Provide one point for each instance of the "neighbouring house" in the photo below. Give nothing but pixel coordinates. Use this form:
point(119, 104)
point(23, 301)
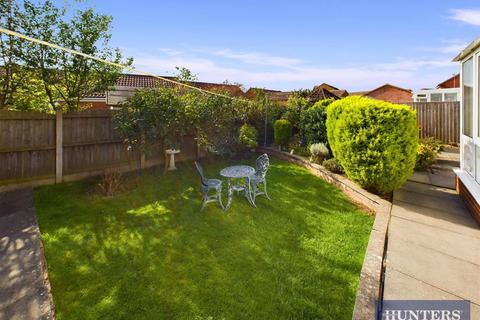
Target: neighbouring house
point(128, 83)
point(281, 97)
point(448, 90)
point(325, 91)
point(320, 92)
point(468, 175)
point(387, 92)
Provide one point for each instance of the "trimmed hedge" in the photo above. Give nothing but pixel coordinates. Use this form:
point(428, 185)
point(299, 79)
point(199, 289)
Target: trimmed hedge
point(282, 131)
point(374, 141)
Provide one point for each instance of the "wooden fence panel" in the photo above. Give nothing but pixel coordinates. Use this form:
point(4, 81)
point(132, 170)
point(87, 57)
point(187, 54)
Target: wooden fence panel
point(90, 144)
point(439, 120)
point(27, 145)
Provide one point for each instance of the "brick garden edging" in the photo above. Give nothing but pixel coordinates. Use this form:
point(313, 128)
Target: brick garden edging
point(371, 277)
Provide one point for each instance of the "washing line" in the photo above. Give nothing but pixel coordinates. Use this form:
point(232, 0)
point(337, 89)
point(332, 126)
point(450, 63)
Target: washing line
point(119, 65)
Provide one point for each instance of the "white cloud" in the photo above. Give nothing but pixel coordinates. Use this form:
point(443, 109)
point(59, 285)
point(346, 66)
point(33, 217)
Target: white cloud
point(451, 47)
point(408, 73)
point(257, 58)
point(170, 52)
point(470, 16)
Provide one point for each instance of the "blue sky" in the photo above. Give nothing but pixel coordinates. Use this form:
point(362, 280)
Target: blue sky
point(285, 45)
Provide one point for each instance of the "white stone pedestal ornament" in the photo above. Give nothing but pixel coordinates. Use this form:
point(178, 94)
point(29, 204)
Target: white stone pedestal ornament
point(171, 159)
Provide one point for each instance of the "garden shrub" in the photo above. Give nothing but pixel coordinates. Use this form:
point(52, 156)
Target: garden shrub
point(313, 122)
point(436, 144)
point(332, 165)
point(427, 152)
point(318, 152)
point(296, 104)
point(248, 136)
point(282, 131)
point(295, 146)
point(156, 114)
point(217, 120)
point(374, 141)
point(110, 182)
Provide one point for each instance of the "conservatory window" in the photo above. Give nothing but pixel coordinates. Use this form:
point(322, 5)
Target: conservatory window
point(436, 97)
point(451, 96)
point(467, 78)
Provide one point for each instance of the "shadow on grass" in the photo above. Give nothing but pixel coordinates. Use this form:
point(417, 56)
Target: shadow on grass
point(150, 254)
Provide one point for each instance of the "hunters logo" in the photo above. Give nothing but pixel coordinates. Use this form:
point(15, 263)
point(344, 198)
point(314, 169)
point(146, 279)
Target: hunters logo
point(424, 310)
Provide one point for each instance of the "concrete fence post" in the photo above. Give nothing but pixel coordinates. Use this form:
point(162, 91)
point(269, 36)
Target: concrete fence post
point(58, 146)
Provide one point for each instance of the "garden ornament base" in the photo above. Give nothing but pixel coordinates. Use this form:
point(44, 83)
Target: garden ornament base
point(170, 158)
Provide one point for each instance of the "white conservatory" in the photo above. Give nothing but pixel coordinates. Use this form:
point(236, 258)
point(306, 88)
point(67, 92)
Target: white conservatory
point(468, 175)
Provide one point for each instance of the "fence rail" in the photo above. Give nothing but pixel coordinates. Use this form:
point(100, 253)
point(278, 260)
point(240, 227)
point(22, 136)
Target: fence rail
point(439, 119)
point(37, 148)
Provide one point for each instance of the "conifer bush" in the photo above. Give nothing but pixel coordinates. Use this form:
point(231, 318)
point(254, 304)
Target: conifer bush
point(282, 131)
point(374, 141)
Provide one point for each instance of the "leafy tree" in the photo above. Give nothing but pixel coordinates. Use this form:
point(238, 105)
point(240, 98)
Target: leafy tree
point(248, 136)
point(65, 76)
point(296, 104)
point(151, 115)
point(29, 94)
point(313, 122)
point(238, 84)
point(185, 75)
point(10, 74)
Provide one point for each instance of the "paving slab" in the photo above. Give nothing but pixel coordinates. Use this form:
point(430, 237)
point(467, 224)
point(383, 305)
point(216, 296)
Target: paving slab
point(442, 240)
point(440, 270)
point(400, 288)
point(421, 177)
point(445, 220)
point(430, 190)
point(456, 206)
point(433, 248)
point(443, 177)
point(24, 286)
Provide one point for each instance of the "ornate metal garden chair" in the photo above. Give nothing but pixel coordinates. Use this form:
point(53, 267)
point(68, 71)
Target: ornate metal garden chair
point(261, 167)
point(207, 185)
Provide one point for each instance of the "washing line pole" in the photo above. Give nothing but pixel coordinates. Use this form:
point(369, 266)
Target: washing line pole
point(266, 121)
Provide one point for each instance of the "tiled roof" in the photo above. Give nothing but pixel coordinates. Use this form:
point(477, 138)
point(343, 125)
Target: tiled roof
point(325, 86)
point(388, 85)
point(279, 96)
point(141, 81)
point(273, 95)
point(452, 82)
point(340, 93)
point(320, 93)
point(232, 89)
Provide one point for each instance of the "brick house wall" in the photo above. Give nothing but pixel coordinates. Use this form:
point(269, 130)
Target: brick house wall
point(453, 82)
point(391, 94)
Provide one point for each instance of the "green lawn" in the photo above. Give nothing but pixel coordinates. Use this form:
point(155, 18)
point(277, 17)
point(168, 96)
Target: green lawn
point(149, 253)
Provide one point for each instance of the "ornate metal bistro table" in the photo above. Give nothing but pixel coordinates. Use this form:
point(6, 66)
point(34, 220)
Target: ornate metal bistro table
point(237, 172)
